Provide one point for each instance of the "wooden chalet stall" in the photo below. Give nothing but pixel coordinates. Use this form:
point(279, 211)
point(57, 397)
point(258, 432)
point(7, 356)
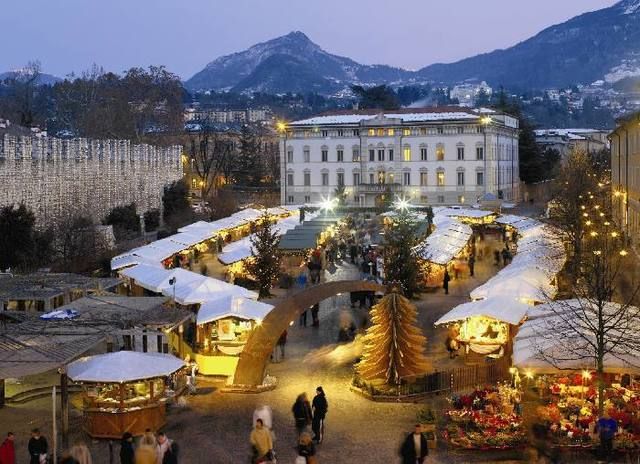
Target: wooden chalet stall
point(124, 391)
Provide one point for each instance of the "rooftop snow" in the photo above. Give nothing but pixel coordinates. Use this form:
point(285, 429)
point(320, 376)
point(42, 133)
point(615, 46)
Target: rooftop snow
point(405, 117)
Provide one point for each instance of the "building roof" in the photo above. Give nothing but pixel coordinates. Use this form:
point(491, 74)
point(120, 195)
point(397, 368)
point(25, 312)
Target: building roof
point(405, 114)
point(42, 285)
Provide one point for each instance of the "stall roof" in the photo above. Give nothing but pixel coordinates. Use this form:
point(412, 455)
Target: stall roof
point(232, 306)
point(188, 239)
point(206, 289)
point(156, 279)
point(539, 342)
point(130, 259)
point(504, 309)
point(446, 242)
point(123, 366)
point(465, 213)
point(44, 285)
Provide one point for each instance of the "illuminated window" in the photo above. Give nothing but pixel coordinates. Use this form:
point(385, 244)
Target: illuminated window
point(440, 153)
point(391, 132)
point(406, 153)
point(380, 132)
point(440, 179)
point(372, 132)
point(194, 183)
point(406, 131)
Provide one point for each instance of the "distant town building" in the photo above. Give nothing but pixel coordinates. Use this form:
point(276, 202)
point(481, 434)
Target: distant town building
point(468, 93)
point(625, 175)
point(54, 177)
point(566, 140)
point(251, 115)
point(430, 156)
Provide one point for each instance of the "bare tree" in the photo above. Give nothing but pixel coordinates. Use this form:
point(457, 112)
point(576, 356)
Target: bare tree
point(599, 326)
point(571, 192)
point(212, 160)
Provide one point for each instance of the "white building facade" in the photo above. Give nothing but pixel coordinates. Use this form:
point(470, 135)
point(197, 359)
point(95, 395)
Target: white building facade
point(437, 156)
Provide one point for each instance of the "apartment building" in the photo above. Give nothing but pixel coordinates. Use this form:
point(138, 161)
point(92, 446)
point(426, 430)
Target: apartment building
point(430, 156)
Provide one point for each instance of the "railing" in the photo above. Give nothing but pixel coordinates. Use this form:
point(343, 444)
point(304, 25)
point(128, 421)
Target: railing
point(379, 188)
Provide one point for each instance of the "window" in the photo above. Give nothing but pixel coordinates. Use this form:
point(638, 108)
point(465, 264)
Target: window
point(381, 155)
point(460, 153)
point(340, 133)
point(341, 178)
point(307, 198)
point(325, 133)
point(307, 155)
point(424, 199)
point(406, 178)
point(406, 131)
point(390, 154)
point(423, 131)
point(340, 156)
point(424, 179)
point(460, 130)
point(440, 153)
point(381, 177)
point(290, 199)
point(380, 132)
point(372, 132)
point(406, 153)
point(440, 198)
point(290, 179)
point(325, 156)
point(440, 179)
point(356, 155)
point(372, 155)
point(371, 178)
point(479, 153)
point(356, 178)
point(356, 132)
point(307, 179)
point(479, 178)
point(460, 199)
point(460, 177)
point(391, 132)
point(290, 156)
point(440, 130)
point(325, 178)
point(194, 183)
point(423, 154)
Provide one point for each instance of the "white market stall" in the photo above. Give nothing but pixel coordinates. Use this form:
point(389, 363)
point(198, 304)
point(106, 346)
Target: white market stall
point(123, 391)
point(204, 289)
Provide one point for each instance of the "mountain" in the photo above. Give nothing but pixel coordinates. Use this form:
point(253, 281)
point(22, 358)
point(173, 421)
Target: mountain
point(269, 65)
point(43, 79)
point(597, 45)
point(600, 45)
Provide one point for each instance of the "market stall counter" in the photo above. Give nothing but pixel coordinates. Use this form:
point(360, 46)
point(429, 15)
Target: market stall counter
point(125, 391)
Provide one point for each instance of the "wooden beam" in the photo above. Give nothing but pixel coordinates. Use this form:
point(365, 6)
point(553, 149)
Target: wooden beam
point(64, 408)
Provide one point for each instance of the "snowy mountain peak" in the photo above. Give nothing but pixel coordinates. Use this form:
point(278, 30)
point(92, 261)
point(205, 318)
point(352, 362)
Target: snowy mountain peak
point(629, 6)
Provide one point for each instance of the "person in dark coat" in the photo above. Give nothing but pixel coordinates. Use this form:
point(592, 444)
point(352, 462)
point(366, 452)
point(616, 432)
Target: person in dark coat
point(472, 263)
point(37, 446)
point(315, 309)
point(302, 413)
point(414, 449)
point(126, 449)
point(445, 282)
point(320, 407)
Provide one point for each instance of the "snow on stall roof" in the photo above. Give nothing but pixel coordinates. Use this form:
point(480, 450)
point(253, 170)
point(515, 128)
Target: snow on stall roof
point(504, 309)
point(123, 366)
point(156, 279)
point(232, 306)
point(206, 289)
point(447, 240)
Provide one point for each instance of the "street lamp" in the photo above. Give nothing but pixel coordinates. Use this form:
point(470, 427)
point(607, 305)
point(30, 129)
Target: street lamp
point(281, 128)
point(172, 282)
point(485, 121)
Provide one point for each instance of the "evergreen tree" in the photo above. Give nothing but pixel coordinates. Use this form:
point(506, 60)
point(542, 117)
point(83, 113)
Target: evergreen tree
point(340, 195)
point(249, 169)
point(378, 97)
point(393, 345)
point(531, 159)
point(17, 236)
point(400, 262)
point(266, 257)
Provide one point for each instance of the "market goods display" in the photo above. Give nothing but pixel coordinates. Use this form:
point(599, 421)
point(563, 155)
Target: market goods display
point(485, 419)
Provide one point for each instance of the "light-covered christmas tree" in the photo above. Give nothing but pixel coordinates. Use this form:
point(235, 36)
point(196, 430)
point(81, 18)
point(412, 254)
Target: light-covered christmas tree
point(393, 345)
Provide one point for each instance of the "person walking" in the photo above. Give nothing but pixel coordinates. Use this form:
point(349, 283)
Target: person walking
point(38, 448)
point(127, 453)
point(303, 318)
point(147, 449)
point(306, 449)
point(320, 406)
point(472, 263)
point(166, 451)
point(8, 450)
point(505, 256)
point(282, 341)
point(80, 453)
point(606, 428)
point(315, 309)
point(302, 413)
point(445, 282)
point(262, 442)
point(414, 449)
point(496, 257)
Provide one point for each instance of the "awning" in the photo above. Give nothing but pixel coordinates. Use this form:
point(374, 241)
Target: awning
point(130, 259)
point(205, 290)
point(156, 279)
point(503, 309)
point(232, 306)
point(191, 238)
point(123, 366)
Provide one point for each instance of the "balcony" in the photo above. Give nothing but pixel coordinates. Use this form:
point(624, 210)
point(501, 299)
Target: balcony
point(379, 188)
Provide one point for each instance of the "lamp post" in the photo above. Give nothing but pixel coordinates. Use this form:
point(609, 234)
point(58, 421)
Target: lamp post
point(172, 282)
point(485, 121)
point(281, 127)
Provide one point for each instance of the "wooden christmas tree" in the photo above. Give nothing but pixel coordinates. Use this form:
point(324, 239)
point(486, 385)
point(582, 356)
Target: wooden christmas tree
point(394, 345)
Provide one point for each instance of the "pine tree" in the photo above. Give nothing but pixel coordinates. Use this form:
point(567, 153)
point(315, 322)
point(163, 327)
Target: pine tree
point(249, 169)
point(400, 262)
point(266, 257)
point(394, 345)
